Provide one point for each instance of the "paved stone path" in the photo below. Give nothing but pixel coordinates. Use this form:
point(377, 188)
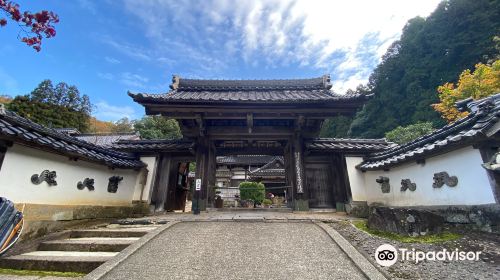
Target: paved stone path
point(238, 250)
point(243, 216)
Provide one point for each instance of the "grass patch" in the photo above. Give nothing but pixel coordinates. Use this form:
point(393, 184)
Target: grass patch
point(430, 238)
point(40, 273)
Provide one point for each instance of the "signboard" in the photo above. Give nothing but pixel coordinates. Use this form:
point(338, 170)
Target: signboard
point(198, 185)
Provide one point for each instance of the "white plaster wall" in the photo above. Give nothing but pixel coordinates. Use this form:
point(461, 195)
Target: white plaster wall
point(238, 174)
point(473, 186)
point(356, 178)
point(144, 184)
point(21, 162)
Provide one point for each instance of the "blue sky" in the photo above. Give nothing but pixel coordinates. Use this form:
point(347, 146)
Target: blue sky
point(107, 47)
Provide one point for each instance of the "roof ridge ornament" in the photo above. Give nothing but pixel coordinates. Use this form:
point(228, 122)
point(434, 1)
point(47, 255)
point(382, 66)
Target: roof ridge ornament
point(175, 82)
point(327, 81)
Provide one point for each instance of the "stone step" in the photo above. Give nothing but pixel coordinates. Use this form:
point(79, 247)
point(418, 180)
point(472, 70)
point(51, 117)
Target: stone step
point(112, 232)
point(88, 244)
point(64, 261)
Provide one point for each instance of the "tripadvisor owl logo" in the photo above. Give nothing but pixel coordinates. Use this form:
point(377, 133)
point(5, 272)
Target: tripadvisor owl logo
point(387, 255)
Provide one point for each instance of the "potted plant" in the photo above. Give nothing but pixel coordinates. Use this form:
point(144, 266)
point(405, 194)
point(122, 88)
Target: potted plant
point(219, 202)
point(246, 203)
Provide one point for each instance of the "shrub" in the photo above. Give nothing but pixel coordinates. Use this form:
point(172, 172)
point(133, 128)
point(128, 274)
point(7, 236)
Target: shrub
point(252, 191)
point(267, 202)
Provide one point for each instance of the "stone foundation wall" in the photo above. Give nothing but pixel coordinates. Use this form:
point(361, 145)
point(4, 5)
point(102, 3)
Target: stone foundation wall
point(40, 219)
point(424, 220)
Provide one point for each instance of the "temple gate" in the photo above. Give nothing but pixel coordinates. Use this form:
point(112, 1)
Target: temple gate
point(263, 117)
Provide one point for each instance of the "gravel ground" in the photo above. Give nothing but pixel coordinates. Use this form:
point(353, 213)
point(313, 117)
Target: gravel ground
point(238, 250)
point(486, 268)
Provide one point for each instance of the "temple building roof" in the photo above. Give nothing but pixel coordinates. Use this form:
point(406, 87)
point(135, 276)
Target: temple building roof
point(161, 145)
point(105, 139)
point(482, 123)
point(274, 168)
point(248, 91)
point(25, 132)
point(246, 160)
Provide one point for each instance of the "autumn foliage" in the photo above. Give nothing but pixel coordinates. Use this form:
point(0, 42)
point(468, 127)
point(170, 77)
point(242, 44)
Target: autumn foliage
point(34, 26)
point(483, 82)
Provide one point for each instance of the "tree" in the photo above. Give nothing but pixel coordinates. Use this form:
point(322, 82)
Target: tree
point(59, 106)
point(34, 26)
point(5, 99)
point(431, 51)
point(483, 82)
point(252, 191)
point(337, 127)
point(157, 127)
point(123, 125)
point(402, 135)
point(98, 126)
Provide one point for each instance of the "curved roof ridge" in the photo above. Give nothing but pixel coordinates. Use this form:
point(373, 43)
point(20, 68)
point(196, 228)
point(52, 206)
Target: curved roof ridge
point(186, 84)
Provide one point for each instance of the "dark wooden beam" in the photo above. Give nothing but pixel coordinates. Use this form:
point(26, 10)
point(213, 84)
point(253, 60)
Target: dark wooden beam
point(201, 124)
point(250, 122)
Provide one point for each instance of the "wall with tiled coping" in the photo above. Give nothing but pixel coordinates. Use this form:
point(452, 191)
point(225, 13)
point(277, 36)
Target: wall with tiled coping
point(473, 186)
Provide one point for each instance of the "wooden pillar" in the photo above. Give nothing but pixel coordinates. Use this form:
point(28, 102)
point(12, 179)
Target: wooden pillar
point(163, 178)
point(211, 169)
point(289, 172)
point(202, 162)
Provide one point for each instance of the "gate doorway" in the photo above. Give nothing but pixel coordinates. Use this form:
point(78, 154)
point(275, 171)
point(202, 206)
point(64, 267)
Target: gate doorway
point(319, 184)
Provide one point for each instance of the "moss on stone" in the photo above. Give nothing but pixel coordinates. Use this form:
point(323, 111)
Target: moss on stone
point(430, 238)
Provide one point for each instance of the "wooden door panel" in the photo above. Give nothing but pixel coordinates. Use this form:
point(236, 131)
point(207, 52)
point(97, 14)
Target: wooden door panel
point(320, 186)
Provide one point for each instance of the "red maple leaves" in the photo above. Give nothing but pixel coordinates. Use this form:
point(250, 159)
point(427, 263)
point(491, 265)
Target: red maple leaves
point(35, 26)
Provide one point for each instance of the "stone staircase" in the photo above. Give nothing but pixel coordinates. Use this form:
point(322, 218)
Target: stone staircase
point(78, 250)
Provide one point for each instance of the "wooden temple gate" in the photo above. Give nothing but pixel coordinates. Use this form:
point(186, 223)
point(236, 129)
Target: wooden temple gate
point(261, 117)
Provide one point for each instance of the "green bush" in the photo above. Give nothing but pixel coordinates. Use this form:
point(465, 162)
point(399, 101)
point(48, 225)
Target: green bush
point(267, 202)
point(252, 191)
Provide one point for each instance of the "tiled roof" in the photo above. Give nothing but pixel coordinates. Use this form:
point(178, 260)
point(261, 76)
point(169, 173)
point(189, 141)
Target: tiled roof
point(313, 90)
point(273, 168)
point(153, 145)
point(481, 123)
point(68, 130)
point(19, 129)
point(244, 160)
point(105, 139)
point(348, 145)
point(182, 84)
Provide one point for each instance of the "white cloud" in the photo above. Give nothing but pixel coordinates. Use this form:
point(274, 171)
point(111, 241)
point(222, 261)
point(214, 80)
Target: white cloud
point(213, 34)
point(107, 112)
point(133, 80)
point(126, 48)
point(112, 60)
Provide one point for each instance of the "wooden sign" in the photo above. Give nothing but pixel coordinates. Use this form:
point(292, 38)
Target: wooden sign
point(198, 185)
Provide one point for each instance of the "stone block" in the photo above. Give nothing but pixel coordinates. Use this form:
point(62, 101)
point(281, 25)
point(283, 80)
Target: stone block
point(411, 222)
point(357, 209)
